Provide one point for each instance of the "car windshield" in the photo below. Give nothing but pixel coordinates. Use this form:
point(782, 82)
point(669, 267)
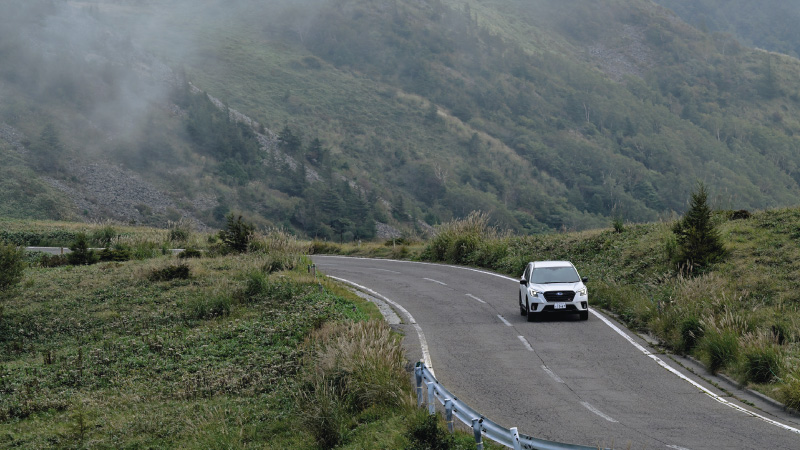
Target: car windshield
point(545, 275)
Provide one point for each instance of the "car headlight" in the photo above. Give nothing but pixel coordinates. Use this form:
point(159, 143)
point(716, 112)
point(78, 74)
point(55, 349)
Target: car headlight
point(582, 292)
point(533, 292)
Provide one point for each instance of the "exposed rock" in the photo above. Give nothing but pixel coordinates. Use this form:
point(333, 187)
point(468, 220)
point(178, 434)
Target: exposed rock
point(629, 55)
point(12, 136)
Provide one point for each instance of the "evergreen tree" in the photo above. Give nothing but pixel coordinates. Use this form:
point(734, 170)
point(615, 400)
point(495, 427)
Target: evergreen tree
point(699, 241)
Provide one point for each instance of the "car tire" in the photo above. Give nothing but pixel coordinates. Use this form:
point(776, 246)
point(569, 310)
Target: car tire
point(531, 316)
point(584, 315)
point(522, 310)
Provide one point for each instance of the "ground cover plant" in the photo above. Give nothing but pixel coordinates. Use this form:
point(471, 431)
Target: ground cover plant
point(236, 350)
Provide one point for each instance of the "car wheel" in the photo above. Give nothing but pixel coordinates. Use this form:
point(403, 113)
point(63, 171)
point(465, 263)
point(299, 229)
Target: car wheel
point(522, 310)
point(584, 315)
point(531, 315)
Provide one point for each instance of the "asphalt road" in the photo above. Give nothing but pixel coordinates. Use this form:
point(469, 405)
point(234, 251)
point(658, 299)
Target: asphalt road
point(561, 379)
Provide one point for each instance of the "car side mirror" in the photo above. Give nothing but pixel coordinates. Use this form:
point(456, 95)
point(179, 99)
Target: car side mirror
point(585, 279)
point(523, 282)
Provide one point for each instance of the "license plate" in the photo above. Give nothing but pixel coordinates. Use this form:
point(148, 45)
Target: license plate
point(560, 306)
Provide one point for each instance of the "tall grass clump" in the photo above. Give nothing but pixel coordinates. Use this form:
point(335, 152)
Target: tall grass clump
point(789, 392)
point(349, 369)
point(719, 349)
point(458, 241)
point(282, 250)
point(762, 358)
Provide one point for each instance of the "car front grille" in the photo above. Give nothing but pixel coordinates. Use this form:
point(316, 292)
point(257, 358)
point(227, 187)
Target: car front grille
point(559, 296)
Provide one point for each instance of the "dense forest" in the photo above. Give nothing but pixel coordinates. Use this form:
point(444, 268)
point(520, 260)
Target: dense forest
point(545, 115)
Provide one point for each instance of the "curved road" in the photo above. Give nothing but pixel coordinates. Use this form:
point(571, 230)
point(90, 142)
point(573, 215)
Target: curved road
point(560, 379)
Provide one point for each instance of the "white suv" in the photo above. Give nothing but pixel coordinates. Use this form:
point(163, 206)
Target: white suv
point(552, 286)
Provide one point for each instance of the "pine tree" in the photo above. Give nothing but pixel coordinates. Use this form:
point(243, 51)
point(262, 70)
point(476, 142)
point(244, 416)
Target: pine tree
point(698, 239)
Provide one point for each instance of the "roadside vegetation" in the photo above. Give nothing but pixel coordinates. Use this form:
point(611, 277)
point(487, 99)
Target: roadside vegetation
point(733, 305)
point(238, 346)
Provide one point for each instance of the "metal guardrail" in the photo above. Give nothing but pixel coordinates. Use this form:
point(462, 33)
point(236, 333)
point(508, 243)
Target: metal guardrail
point(481, 426)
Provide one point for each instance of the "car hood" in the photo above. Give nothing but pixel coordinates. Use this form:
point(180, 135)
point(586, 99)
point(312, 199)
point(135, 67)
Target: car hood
point(557, 286)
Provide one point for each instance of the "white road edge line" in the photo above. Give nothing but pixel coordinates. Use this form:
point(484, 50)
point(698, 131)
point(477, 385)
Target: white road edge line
point(423, 343)
point(706, 391)
point(629, 339)
point(503, 319)
point(436, 281)
point(476, 298)
point(552, 374)
point(525, 343)
point(598, 412)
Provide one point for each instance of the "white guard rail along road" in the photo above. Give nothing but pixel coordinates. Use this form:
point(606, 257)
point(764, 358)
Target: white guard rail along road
point(481, 426)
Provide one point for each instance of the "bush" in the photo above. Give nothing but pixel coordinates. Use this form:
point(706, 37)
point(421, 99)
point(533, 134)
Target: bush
point(170, 272)
point(237, 235)
point(118, 252)
point(12, 265)
point(53, 260)
point(81, 254)
point(190, 252)
point(427, 433)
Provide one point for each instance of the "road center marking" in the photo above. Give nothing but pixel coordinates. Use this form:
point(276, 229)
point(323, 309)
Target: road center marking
point(552, 374)
point(476, 298)
point(597, 411)
point(387, 270)
point(436, 281)
point(525, 343)
point(503, 319)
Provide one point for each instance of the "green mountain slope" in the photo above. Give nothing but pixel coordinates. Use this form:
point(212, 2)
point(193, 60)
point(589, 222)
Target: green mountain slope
point(546, 115)
point(769, 24)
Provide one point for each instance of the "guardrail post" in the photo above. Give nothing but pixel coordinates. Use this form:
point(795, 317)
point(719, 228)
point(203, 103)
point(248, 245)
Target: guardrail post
point(418, 376)
point(448, 414)
point(314, 270)
point(476, 429)
point(431, 399)
point(515, 433)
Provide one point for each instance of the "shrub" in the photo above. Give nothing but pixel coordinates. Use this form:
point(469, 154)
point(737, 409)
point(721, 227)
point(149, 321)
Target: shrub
point(80, 253)
point(237, 234)
point(170, 272)
point(190, 252)
point(53, 260)
point(12, 265)
point(427, 433)
point(119, 252)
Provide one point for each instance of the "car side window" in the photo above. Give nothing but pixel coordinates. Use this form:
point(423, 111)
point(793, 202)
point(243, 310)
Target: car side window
point(527, 274)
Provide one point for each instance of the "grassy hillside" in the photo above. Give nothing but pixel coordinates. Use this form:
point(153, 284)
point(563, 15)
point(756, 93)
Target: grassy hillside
point(219, 351)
